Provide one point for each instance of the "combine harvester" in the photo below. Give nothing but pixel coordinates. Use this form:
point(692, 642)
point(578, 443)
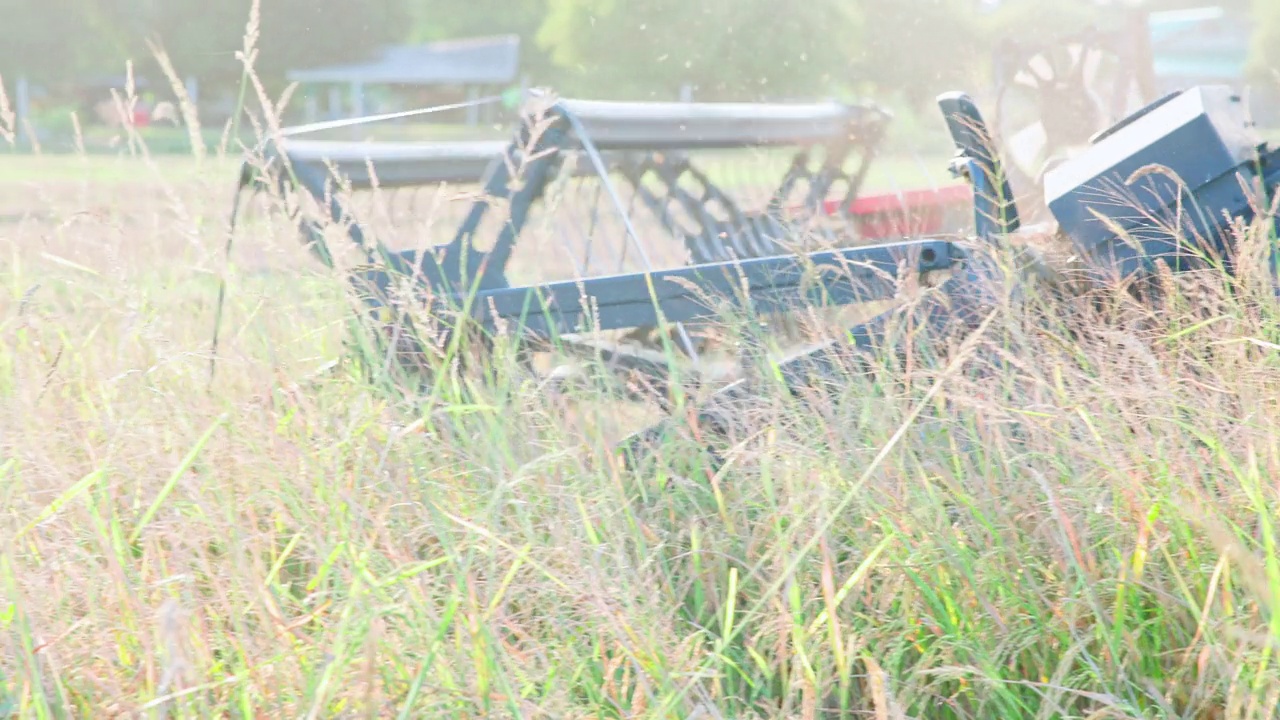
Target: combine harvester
point(1120, 220)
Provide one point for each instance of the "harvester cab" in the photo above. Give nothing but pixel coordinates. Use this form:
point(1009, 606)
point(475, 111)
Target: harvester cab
point(1164, 183)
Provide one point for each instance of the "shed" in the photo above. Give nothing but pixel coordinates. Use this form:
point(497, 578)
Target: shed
point(1204, 45)
point(473, 64)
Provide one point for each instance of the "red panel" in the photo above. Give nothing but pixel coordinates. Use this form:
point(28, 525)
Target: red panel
point(906, 214)
point(913, 212)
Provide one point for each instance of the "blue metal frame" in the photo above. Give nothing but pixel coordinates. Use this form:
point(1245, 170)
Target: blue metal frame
point(457, 276)
point(761, 285)
point(457, 267)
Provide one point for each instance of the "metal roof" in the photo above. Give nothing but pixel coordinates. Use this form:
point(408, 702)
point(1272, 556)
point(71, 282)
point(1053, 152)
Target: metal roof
point(1204, 42)
point(488, 60)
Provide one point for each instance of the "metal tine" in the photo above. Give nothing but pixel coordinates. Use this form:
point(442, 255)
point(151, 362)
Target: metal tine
point(567, 223)
point(798, 189)
point(618, 255)
point(622, 359)
point(597, 219)
point(560, 211)
point(603, 173)
point(844, 208)
point(712, 229)
point(798, 169)
point(738, 228)
point(741, 219)
point(746, 174)
point(833, 235)
point(865, 155)
point(820, 181)
point(698, 244)
point(665, 207)
point(742, 229)
point(734, 227)
point(752, 225)
point(660, 207)
point(741, 242)
point(631, 208)
point(603, 176)
point(794, 201)
point(593, 222)
point(741, 178)
point(777, 198)
point(707, 250)
point(742, 222)
point(600, 221)
point(696, 207)
point(768, 227)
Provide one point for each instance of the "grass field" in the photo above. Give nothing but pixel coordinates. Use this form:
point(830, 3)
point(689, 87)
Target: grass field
point(1088, 532)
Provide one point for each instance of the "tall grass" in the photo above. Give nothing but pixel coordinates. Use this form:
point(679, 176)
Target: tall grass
point(1085, 529)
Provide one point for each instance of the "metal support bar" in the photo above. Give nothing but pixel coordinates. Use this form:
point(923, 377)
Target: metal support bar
point(766, 285)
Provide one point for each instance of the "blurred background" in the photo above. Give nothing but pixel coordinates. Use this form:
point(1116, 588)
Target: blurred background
point(61, 60)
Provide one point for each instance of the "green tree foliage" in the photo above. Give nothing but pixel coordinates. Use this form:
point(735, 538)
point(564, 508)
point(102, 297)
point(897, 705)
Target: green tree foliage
point(301, 33)
point(1264, 59)
point(725, 49)
point(292, 34)
point(63, 39)
point(918, 48)
point(444, 19)
point(430, 20)
point(52, 40)
point(737, 49)
point(206, 49)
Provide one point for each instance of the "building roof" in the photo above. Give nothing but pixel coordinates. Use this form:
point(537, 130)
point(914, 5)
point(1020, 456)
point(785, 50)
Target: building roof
point(487, 60)
point(1204, 42)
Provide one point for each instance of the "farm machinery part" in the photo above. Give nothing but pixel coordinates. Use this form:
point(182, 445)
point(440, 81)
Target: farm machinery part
point(1053, 96)
point(745, 257)
point(1162, 186)
point(1132, 199)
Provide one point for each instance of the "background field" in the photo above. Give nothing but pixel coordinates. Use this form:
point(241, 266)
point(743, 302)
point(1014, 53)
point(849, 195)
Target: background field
point(1087, 533)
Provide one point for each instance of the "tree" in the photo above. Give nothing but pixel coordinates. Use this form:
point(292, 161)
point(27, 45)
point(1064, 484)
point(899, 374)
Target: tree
point(300, 33)
point(918, 48)
point(51, 40)
point(431, 20)
point(736, 49)
point(1264, 56)
point(202, 37)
